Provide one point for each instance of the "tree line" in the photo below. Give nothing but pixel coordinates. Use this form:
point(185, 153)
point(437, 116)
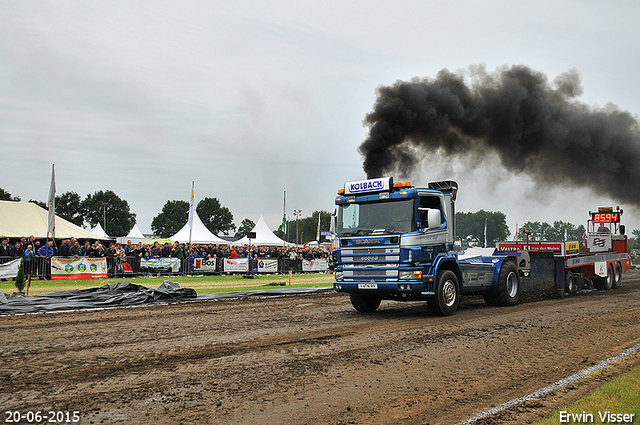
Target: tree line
point(470, 226)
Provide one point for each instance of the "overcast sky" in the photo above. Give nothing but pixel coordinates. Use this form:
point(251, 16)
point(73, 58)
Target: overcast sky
point(252, 98)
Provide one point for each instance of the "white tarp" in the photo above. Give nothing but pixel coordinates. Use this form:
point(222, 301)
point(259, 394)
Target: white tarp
point(200, 234)
point(264, 236)
point(19, 219)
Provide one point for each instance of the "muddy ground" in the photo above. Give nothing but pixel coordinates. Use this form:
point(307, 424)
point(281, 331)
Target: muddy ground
point(313, 359)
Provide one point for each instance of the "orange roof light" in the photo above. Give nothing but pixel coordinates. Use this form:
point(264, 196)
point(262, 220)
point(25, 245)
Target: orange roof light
point(399, 185)
point(341, 191)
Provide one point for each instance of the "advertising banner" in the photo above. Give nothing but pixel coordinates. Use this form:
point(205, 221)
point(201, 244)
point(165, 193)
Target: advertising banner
point(163, 263)
point(10, 270)
point(204, 265)
point(317, 265)
point(267, 266)
point(236, 265)
point(64, 268)
point(599, 242)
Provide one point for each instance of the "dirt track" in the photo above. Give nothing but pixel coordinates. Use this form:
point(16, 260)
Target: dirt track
point(313, 359)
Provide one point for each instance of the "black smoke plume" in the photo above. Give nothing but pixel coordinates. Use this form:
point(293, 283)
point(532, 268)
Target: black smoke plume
point(534, 126)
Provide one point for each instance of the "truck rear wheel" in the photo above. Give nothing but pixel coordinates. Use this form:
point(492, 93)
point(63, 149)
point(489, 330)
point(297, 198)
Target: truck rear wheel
point(569, 285)
point(606, 283)
point(445, 301)
point(507, 290)
point(365, 303)
point(617, 277)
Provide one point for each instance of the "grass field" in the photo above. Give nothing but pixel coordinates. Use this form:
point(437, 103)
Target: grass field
point(618, 398)
point(202, 284)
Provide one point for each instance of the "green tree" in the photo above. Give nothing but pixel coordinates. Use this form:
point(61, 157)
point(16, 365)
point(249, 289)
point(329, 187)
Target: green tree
point(634, 241)
point(68, 206)
point(470, 227)
point(245, 227)
point(119, 218)
point(307, 227)
point(20, 279)
point(6, 196)
point(173, 217)
point(39, 203)
point(215, 217)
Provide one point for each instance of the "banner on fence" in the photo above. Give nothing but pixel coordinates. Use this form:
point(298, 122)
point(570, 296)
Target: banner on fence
point(78, 268)
point(267, 266)
point(317, 265)
point(10, 270)
point(163, 263)
point(204, 265)
point(236, 265)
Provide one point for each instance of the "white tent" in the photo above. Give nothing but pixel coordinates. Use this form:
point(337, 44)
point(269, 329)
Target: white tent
point(19, 219)
point(99, 232)
point(200, 233)
point(264, 236)
point(135, 236)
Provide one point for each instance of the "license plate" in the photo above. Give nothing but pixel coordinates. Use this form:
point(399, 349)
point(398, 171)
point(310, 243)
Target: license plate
point(367, 286)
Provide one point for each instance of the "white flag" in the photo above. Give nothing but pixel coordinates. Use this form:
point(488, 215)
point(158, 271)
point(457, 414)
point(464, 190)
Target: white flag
point(51, 228)
point(191, 206)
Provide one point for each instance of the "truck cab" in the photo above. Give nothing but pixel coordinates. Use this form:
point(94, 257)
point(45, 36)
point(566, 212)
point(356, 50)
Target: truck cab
point(395, 241)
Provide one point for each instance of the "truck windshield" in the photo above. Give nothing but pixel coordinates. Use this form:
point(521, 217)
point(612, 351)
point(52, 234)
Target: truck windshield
point(384, 217)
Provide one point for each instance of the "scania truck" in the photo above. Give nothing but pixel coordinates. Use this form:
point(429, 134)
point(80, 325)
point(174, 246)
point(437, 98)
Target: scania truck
point(395, 241)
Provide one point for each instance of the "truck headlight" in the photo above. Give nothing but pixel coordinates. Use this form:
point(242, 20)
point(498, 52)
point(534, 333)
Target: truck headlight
point(339, 275)
point(405, 275)
point(410, 275)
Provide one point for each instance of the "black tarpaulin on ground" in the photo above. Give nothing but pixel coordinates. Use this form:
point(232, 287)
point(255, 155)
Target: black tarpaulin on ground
point(265, 293)
point(121, 294)
point(124, 294)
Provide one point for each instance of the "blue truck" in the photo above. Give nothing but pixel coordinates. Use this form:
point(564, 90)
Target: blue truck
point(394, 241)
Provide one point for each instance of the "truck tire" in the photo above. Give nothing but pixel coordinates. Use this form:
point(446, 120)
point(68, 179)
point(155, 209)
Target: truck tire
point(447, 297)
point(507, 290)
point(606, 283)
point(569, 285)
point(617, 277)
point(365, 303)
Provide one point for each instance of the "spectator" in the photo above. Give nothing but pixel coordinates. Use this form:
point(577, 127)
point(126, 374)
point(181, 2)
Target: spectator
point(17, 250)
point(75, 250)
point(156, 251)
point(5, 248)
point(63, 250)
point(166, 250)
point(28, 260)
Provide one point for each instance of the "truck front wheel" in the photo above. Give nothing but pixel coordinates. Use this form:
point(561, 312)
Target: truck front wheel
point(365, 303)
point(447, 297)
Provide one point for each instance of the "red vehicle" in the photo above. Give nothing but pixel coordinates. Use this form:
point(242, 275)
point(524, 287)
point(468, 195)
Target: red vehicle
point(598, 262)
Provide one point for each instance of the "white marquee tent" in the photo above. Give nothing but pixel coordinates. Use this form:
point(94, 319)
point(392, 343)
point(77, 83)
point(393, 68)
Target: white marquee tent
point(99, 232)
point(135, 236)
point(19, 219)
point(264, 236)
point(199, 235)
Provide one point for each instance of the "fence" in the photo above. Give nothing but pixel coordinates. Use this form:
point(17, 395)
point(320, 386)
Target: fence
point(135, 266)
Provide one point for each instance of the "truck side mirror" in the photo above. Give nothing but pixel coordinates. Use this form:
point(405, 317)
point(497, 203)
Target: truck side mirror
point(434, 220)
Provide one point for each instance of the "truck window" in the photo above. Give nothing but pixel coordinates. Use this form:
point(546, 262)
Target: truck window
point(432, 202)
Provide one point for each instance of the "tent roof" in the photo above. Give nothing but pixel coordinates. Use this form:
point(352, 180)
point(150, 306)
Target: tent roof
point(135, 233)
point(19, 219)
point(199, 234)
point(264, 236)
point(99, 231)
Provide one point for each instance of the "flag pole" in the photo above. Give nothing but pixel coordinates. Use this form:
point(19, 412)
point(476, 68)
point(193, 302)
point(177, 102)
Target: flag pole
point(191, 211)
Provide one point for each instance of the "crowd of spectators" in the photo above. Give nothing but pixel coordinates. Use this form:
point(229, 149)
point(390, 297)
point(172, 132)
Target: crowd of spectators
point(34, 250)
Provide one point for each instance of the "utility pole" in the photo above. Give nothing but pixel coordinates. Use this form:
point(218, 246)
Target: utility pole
point(297, 214)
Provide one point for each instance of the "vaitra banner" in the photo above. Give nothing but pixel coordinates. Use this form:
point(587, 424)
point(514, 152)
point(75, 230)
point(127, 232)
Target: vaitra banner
point(78, 268)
